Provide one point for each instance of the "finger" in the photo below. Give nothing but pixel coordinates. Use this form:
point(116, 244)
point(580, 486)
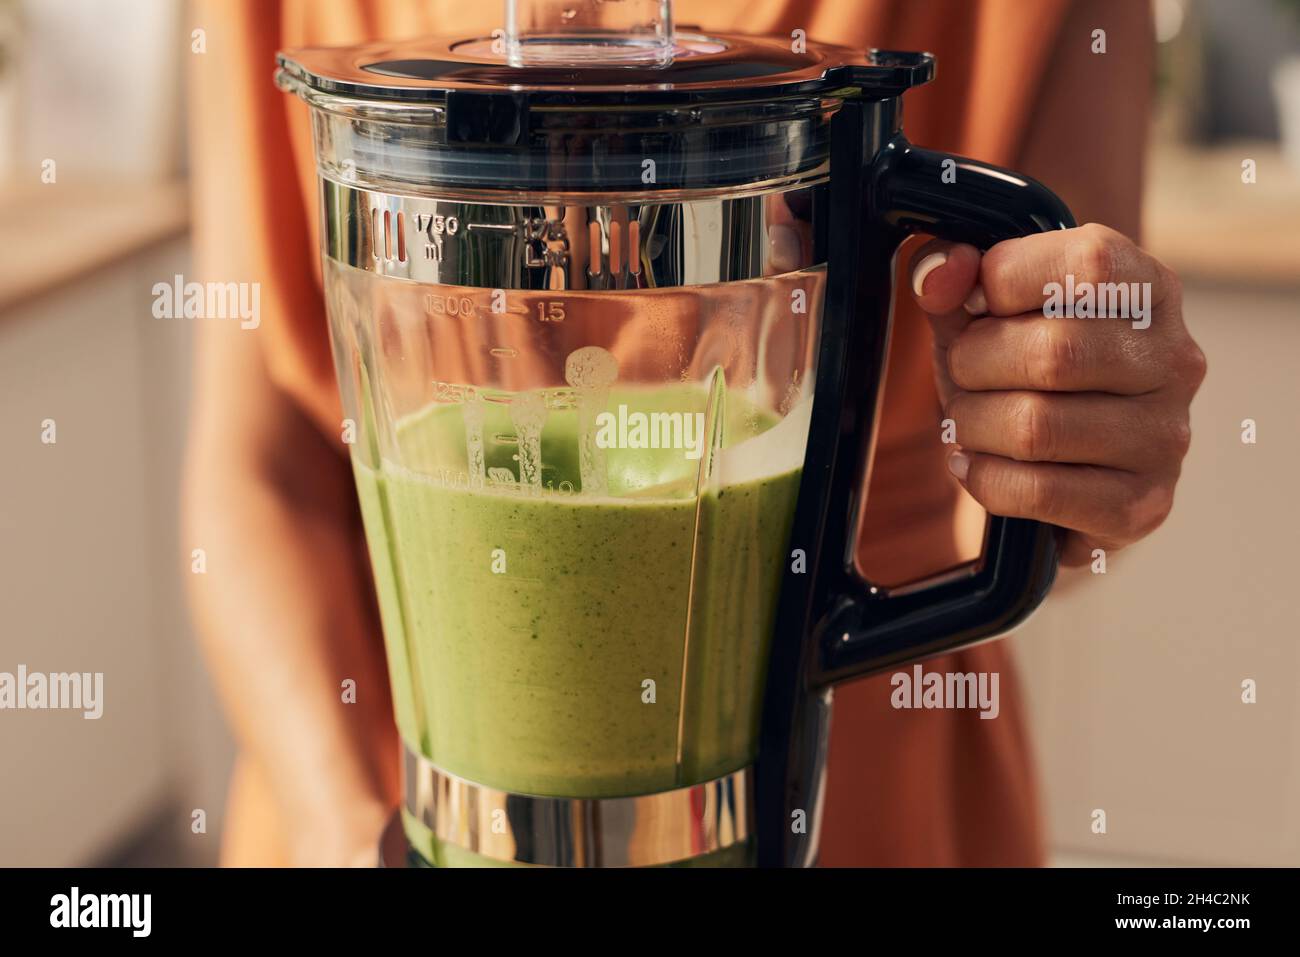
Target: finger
point(1015, 273)
point(1056, 355)
point(943, 276)
point(1111, 506)
point(1088, 428)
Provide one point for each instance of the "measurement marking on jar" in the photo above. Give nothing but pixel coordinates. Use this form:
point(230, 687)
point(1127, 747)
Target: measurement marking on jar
point(550, 312)
point(453, 392)
point(502, 352)
point(436, 225)
point(459, 306)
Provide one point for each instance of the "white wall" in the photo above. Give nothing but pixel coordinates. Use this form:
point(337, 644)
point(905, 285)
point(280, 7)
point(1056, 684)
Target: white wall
point(90, 573)
point(1135, 677)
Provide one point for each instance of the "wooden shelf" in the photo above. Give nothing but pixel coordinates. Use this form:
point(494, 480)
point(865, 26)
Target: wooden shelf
point(1204, 222)
point(52, 234)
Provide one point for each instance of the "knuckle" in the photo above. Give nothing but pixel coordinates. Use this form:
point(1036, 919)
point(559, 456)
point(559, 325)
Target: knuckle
point(1194, 363)
point(1130, 507)
point(998, 265)
point(1144, 507)
point(1180, 436)
point(1094, 256)
point(1053, 356)
point(1031, 428)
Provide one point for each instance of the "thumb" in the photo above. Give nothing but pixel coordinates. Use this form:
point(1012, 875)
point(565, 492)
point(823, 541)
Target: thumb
point(943, 277)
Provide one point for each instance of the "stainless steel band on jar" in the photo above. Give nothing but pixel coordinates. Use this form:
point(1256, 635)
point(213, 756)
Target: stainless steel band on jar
point(640, 831)
point(680, 240)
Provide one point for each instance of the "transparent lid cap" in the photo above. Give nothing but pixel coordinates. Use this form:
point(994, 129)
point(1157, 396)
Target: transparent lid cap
point(578, 32)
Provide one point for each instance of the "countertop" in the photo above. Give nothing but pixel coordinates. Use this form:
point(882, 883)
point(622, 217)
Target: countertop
point(1204, 222)
point(54, 233)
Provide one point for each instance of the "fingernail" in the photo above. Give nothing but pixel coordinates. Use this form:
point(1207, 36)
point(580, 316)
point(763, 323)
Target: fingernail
point(926, 266)
point(976, 304)
point(959, 465)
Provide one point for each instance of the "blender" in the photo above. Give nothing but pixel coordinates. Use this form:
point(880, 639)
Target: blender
point(609, 304)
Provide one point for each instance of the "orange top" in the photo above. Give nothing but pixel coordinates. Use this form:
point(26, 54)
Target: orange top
point(906, 787)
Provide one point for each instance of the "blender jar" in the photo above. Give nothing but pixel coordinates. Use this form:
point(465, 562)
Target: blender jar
point(610, 403)
point(579, 361)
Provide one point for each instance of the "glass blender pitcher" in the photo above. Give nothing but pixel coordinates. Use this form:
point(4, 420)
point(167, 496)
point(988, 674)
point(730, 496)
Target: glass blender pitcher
point(609, 307)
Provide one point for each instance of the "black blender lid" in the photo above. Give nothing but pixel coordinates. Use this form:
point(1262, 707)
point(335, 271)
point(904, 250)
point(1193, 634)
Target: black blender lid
point(721, 67)
point(726, 110)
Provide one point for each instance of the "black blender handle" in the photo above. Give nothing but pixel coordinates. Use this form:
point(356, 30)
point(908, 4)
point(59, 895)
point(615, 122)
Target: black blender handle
point(831, 625)
point(867, 628)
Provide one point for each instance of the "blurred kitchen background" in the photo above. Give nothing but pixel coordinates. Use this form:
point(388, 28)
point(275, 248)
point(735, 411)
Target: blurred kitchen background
point(1135, 681)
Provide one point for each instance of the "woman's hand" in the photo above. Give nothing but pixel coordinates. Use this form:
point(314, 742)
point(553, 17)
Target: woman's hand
point(1080, 422)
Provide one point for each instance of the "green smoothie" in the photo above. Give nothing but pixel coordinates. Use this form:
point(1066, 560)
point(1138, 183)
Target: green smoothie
point(545, 639)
